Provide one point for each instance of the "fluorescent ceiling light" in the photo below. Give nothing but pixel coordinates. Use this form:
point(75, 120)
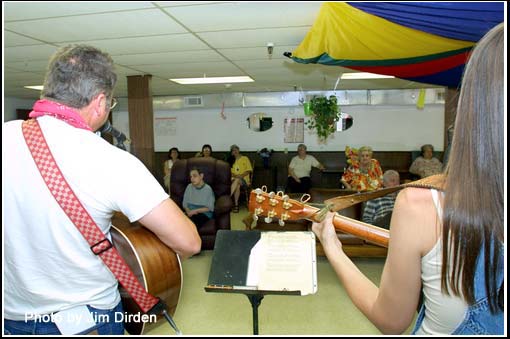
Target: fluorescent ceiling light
point(353, 76)
point(38, 87)
point(212, 80)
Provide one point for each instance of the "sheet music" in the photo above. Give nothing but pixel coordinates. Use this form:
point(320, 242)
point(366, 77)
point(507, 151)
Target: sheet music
point(284, 261)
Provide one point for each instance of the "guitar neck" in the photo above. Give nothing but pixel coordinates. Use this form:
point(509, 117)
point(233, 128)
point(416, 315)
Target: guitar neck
point(271, 205)
point(367, 232)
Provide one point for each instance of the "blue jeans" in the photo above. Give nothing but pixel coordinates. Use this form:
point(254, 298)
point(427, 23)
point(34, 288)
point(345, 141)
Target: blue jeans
point(478, 319)
point(110, 327)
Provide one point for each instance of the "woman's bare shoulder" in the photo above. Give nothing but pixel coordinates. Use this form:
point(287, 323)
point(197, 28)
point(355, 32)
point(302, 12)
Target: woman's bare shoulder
point(414, 212)
point(414, 195)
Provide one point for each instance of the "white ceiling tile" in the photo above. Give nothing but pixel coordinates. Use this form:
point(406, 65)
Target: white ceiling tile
point(168, 58)
point(19, 77)
point(122, 71)
point(43, 9)
point(187, 3)
point(30, 66)
point(152, 44)
point(270, 64)
point(255, 37)
point(197, 69)
point(255, 53)
point(98, 26)
point(246, 15)
point(22, 53)
point(13, 39)
point(218, 39)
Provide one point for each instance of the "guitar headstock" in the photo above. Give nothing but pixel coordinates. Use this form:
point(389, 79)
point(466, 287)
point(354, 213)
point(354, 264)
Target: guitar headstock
point(276, 205)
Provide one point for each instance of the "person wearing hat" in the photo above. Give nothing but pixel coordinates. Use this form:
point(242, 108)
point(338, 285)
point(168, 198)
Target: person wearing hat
point(240, 170)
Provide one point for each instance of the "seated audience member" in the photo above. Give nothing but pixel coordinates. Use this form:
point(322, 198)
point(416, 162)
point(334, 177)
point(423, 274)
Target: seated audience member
point(364, 173)
point(426, 165)
point(173, 155)
point(198, 200)
point(378, 211)
point(206, 151)
point(241, 169)
point(300, 168)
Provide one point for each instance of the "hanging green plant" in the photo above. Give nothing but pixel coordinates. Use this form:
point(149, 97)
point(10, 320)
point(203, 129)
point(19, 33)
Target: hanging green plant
point(324, 117)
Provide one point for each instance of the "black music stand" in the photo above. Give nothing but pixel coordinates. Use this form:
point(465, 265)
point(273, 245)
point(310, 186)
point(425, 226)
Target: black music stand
point(229, 269)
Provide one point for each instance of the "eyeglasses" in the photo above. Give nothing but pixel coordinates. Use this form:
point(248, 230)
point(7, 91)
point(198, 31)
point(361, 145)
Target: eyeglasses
point(113, 103)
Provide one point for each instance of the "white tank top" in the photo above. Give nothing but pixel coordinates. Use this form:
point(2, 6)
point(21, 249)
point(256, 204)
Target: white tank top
point(443, 313)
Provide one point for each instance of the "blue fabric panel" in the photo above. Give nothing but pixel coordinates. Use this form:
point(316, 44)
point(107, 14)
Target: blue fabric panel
point(449, 78)
point(467, 21)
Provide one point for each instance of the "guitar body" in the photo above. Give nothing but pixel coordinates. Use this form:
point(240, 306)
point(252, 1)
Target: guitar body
point(155, 265)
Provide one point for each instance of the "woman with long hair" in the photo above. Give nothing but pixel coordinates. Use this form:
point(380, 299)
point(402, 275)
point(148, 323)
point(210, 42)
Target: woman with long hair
point(449, 244)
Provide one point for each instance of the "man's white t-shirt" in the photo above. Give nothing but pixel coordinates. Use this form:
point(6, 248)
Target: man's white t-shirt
point(48, 265)
point(303, 167)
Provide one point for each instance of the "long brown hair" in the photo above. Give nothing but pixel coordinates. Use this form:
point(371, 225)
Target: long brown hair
point(473, 207)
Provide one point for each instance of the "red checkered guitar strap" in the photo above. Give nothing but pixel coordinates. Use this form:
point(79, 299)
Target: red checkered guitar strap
point(67, 199)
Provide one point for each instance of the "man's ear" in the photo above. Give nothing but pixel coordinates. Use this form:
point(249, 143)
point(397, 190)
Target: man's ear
point(97, 111)
point(99, 104)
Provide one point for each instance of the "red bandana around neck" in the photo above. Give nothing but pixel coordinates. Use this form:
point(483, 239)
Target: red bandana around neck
point(59, 111)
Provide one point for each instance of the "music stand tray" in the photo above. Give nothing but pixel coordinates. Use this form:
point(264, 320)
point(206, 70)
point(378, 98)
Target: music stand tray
point(230, 267)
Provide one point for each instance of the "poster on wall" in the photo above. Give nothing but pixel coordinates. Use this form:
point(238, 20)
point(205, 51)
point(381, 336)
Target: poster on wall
point(294, 130)
point(165, 126)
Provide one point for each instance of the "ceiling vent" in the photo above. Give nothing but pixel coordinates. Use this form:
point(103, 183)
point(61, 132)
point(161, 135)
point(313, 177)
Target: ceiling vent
point(196, 101)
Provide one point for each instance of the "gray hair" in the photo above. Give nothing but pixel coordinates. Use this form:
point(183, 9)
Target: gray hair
point(78, 73)
point(365, 149)
point(424, 147)
point(389, 174)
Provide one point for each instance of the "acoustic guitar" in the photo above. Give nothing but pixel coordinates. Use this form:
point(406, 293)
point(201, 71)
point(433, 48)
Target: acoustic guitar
point(155, 265)
point(280, 206)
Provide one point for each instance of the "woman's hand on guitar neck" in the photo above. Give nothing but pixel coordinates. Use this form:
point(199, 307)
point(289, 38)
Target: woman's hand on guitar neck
point(326, 233)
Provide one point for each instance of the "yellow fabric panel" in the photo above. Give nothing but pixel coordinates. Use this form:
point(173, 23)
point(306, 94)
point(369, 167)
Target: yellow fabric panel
point(346, 33)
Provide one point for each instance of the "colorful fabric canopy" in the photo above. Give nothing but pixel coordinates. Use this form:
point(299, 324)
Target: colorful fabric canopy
point(423, 42)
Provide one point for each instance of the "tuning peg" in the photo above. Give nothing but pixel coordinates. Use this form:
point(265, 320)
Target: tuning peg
point(259, 198)
point(270, 216)
point(284, 216)
point(305, 198)
point(281, 222)
point(272, 201)
point(286, 204)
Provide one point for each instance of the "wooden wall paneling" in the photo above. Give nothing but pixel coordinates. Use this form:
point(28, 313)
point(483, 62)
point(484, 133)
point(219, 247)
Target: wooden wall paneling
point(141, 121)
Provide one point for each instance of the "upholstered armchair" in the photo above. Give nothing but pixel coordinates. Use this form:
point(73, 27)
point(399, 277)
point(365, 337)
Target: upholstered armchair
point(217, 175)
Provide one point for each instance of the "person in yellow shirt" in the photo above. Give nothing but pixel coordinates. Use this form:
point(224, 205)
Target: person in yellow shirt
point(240, 170)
